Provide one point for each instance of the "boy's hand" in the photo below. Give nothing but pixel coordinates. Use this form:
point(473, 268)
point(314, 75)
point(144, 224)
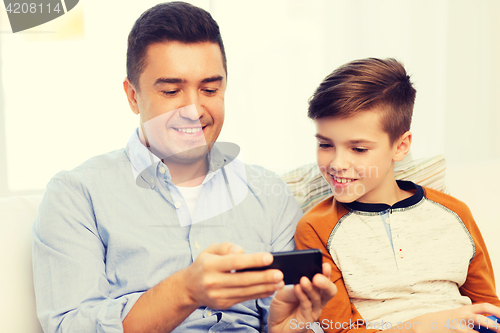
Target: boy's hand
point(462, 319)
point(209, 280)
point(301, 305)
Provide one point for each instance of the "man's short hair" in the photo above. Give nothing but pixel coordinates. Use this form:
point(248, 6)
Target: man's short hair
point(172, 21)
point(363, 84)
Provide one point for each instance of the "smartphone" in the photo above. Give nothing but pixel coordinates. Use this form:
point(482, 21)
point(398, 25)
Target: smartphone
point(294, 264)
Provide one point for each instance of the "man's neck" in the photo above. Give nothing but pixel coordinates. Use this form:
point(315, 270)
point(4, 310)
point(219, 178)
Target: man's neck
point(188, 175)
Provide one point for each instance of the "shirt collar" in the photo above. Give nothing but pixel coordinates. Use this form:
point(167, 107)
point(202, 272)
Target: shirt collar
point(379, 207)
point(140, 157)
point(146, 165)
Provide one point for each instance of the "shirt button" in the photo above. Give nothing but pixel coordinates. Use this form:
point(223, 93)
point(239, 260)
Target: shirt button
point(152, 180)
point(162, 170)
point(196, 245)
point(388, 221)
point(177, 205)
point(209, 313)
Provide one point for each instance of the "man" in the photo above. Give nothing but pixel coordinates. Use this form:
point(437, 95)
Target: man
point(150, 238)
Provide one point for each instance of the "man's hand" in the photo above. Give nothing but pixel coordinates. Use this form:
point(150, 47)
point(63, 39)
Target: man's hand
point(208, 281)
point(211, 281)
point(301, 305)
point(462, 319)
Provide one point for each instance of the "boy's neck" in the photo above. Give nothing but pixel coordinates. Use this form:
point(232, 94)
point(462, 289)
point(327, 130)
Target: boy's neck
point(388, 193)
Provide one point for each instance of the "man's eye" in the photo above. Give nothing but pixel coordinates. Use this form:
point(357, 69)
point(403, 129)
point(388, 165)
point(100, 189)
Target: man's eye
point(324, 145)
point(360, 150)
point(210, 91)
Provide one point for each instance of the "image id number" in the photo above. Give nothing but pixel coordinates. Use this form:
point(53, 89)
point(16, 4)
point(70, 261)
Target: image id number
point(24, 8)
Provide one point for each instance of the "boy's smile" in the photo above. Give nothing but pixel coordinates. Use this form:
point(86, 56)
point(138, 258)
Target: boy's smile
point(356, 158)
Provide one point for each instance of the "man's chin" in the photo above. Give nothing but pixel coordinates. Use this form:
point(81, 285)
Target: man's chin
point(185, 157)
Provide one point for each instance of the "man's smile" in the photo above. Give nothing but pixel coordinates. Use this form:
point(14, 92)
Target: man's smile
point(188, 130)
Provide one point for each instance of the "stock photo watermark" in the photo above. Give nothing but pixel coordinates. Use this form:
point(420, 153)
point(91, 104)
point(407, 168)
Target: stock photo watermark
point(24, 15)
point(452, 324)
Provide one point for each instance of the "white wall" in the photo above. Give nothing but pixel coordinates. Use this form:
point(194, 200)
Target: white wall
point(64, 101)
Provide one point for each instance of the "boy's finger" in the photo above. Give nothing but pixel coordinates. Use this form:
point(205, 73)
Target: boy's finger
point(312, 292)
point(327, 270)
point(305, 302)
point(487, 323)
point(327, 288)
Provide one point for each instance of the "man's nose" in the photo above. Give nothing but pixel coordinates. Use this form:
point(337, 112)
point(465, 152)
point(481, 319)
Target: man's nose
point(193, 109)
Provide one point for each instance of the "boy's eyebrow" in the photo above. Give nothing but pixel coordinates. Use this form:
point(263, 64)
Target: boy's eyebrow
point(357, 141)
point(352, 142)
point(321, 137)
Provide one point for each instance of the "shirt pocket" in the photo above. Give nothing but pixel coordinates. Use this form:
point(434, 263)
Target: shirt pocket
point(251, 246)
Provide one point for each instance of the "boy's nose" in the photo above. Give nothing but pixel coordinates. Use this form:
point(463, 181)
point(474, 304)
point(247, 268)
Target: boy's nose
point(339, 163)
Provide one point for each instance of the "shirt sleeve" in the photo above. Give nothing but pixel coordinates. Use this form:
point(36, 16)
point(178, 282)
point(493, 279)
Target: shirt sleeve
point(69, 266)
point(339, 315)
point(480, 283)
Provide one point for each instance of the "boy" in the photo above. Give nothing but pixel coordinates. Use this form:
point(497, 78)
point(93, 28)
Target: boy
point(403, 257)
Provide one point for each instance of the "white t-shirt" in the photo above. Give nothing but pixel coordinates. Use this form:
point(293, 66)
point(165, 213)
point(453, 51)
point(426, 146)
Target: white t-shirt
point(190, 195)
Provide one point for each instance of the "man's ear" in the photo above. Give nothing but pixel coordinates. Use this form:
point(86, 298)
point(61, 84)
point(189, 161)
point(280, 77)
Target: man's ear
point(131, 93)
point(402, 146)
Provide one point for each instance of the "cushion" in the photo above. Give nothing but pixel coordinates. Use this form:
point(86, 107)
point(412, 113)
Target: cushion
point(17, 305)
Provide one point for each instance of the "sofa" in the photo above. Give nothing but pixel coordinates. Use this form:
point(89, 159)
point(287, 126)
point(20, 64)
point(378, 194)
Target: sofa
point(17, 304)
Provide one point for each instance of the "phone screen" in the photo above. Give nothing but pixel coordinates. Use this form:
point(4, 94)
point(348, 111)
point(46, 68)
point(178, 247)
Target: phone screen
point(294, 264)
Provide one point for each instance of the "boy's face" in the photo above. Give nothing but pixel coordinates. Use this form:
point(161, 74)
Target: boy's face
point(356, 157)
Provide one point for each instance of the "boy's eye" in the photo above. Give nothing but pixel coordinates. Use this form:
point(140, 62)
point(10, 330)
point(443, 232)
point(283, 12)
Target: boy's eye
point(360, 150)
point(324, 145)
point(170, 92)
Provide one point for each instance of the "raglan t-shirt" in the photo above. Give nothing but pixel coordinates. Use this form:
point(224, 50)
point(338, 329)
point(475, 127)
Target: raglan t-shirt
point(394, 263)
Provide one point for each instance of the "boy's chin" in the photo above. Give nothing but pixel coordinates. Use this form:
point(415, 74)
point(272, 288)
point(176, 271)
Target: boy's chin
point(341, 199)
point(345, 195)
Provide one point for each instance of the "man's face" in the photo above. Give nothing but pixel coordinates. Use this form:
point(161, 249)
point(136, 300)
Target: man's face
point(181, 99)
point(356, 158)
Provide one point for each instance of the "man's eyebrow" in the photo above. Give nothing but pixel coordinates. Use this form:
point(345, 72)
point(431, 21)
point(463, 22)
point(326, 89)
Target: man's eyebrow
point(162, 80)
point(214, 78)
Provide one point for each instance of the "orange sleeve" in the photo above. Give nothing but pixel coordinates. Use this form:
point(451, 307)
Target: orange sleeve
point(312, 232)
point(480, 283)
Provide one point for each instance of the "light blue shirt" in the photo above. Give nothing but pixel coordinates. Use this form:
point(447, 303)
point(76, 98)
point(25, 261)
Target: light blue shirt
point(116, 226)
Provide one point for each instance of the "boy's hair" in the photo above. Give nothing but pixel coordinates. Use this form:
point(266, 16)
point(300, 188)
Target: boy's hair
point(173, 21)
point(364, 84)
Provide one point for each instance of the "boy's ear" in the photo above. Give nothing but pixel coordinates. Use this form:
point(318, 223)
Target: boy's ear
point(402, 146)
